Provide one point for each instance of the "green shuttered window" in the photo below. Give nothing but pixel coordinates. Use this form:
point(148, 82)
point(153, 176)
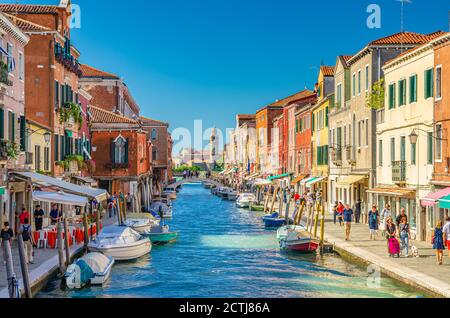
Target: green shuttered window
point(413, 89)
point(429, 83)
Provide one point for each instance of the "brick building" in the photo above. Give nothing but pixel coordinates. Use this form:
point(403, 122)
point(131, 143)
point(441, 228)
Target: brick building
point(51, 77)
point(121, 152)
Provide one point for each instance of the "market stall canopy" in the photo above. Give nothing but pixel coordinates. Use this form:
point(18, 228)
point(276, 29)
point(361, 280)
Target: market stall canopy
point(444, 203)
point(298, 179)
point(60, 198)
point(394, 192)
point(305, 181)
point(348, 181)
point(280, 176)
point(309, 184)
point(433, 198)
point(40, 179)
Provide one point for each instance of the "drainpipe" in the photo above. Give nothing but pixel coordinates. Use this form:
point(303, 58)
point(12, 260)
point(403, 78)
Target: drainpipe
point(51, 62)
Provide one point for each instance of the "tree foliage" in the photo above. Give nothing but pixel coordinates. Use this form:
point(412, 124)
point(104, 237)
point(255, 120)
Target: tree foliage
point(375, 99)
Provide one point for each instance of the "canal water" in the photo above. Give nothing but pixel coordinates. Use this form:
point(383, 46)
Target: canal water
point(223, 251)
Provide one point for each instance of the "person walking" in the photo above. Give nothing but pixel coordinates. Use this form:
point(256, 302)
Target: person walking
point(392, 243)
point(38, 217)
point(334, 211)
point(25, 231)
point(6, 235)
point(348, 216)
point(55, 214)
point(340, 211)
point(438, 242)
point(446, 231)
point(24, 215)
point(405, 236)
point(374, 221)
point(385, 214)
point(358, 211)
point(399, 218)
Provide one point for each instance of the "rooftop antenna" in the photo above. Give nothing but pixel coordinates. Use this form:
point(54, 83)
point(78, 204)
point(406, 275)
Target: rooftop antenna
point(402, 18)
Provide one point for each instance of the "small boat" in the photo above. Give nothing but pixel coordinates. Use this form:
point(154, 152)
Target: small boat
point(256, 208)
point(273, 220)
point(296, 238)
point(245, 199)
point(141, 222)
point(121, 242)
point(161, 235)
point(169, 194)
point(91, 269)
point(232, 195)
point(222, 192)
point(163, 207)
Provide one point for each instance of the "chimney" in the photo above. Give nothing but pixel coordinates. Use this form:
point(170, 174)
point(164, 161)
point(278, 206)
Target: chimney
point(63, 3)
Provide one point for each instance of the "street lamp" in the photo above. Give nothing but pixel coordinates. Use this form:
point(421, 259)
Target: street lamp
point(47, 137)
point(414, 137)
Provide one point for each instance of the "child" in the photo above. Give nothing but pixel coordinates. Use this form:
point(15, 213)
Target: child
point(438, 242)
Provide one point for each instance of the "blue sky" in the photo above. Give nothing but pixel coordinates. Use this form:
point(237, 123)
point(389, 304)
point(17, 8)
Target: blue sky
point(211, 59)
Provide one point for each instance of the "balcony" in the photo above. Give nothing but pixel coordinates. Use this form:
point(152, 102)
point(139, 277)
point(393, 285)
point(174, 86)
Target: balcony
point(4, 74)
point(399, 171)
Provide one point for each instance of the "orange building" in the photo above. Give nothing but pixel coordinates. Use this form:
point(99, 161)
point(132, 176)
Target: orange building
point(121, 153)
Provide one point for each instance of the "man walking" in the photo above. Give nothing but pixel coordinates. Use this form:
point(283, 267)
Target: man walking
point(348, 215)
point(358, 211)
point(25, 231)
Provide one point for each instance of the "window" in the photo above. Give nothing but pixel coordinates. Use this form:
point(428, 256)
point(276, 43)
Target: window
point(392, 96)
point(392, 149)
point(354, 85)
point(367, 78)
point(430, 148)
point(10, 58)
point(57, 100)
point(37, 158)
point(12, 126)
point(46, 158)
point(154, 154)
point(326, 116)
point(429, 83)
point(413, 89)
point(2, 123)
point(359, 134)
point(359, 82)
point(339, 96)
point(403, 148)
point(413, 154)
point(380, 153)
point(367, 132)
point(56, 144)
point(439, 82)
point(402, 92)
point(439, 142)
point(21, 67)
point(120, 150)
point(154, 134)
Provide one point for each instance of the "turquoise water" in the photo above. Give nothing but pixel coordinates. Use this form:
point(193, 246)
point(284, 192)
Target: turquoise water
point(223, 251)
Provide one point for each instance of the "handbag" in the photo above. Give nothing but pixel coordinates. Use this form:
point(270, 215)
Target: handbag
point(382, 226)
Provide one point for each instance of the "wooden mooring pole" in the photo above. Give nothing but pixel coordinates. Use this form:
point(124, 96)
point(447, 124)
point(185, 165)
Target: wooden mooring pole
point(316, 221)
point(24, 267)
point(59, 235)
point(66, 241)
point(10, 275)
point(86, 229)
point(322, 230)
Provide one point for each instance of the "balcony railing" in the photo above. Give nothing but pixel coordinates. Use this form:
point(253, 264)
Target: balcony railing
point(399, 171)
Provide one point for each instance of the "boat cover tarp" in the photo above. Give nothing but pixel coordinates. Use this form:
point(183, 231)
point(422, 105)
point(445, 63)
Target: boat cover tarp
point(86, 272)
point(116, 235)
point(97, 261)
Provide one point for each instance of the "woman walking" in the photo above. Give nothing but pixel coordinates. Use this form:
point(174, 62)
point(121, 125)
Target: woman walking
point(404, 236)
point(374, 220)
point(438, 242)
point(393, 245)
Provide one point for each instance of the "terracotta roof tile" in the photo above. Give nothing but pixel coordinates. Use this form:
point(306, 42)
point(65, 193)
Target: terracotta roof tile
point(102, 116)
point(150, 121)
point(89, 71)
point(298, 96)
point(28, 8)
point(404, 38)
point(25, 25)
point(327, 70)
point(245, 116)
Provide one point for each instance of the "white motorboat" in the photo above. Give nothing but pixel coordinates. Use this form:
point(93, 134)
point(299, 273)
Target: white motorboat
point(91, 269)
point(141, 222)
point(223, 192)
point(232, 195)
point(121, 242)
point(245, 199)
point(169, 194)
point(297, 238)
point(162, 207)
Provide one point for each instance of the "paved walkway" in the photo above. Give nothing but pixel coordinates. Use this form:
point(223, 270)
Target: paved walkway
point(46, 263)
point(422, 272)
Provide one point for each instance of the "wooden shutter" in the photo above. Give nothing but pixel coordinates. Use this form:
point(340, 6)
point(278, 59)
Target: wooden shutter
point(56, 149)
point(126, 150)
point(23, 135)
point(112, 151)
point(2, 123)
point(327, 110)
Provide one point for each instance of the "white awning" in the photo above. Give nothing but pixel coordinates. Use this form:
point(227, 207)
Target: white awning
point(262, 182)
point(60, 198)
point(310, 183)
point(40, 179)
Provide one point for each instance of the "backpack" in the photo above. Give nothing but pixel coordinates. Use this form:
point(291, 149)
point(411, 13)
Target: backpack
point(26, 235)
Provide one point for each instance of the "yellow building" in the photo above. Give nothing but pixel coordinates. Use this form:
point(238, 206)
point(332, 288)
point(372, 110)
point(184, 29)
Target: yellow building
point(39, 145)
point(320, 139)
